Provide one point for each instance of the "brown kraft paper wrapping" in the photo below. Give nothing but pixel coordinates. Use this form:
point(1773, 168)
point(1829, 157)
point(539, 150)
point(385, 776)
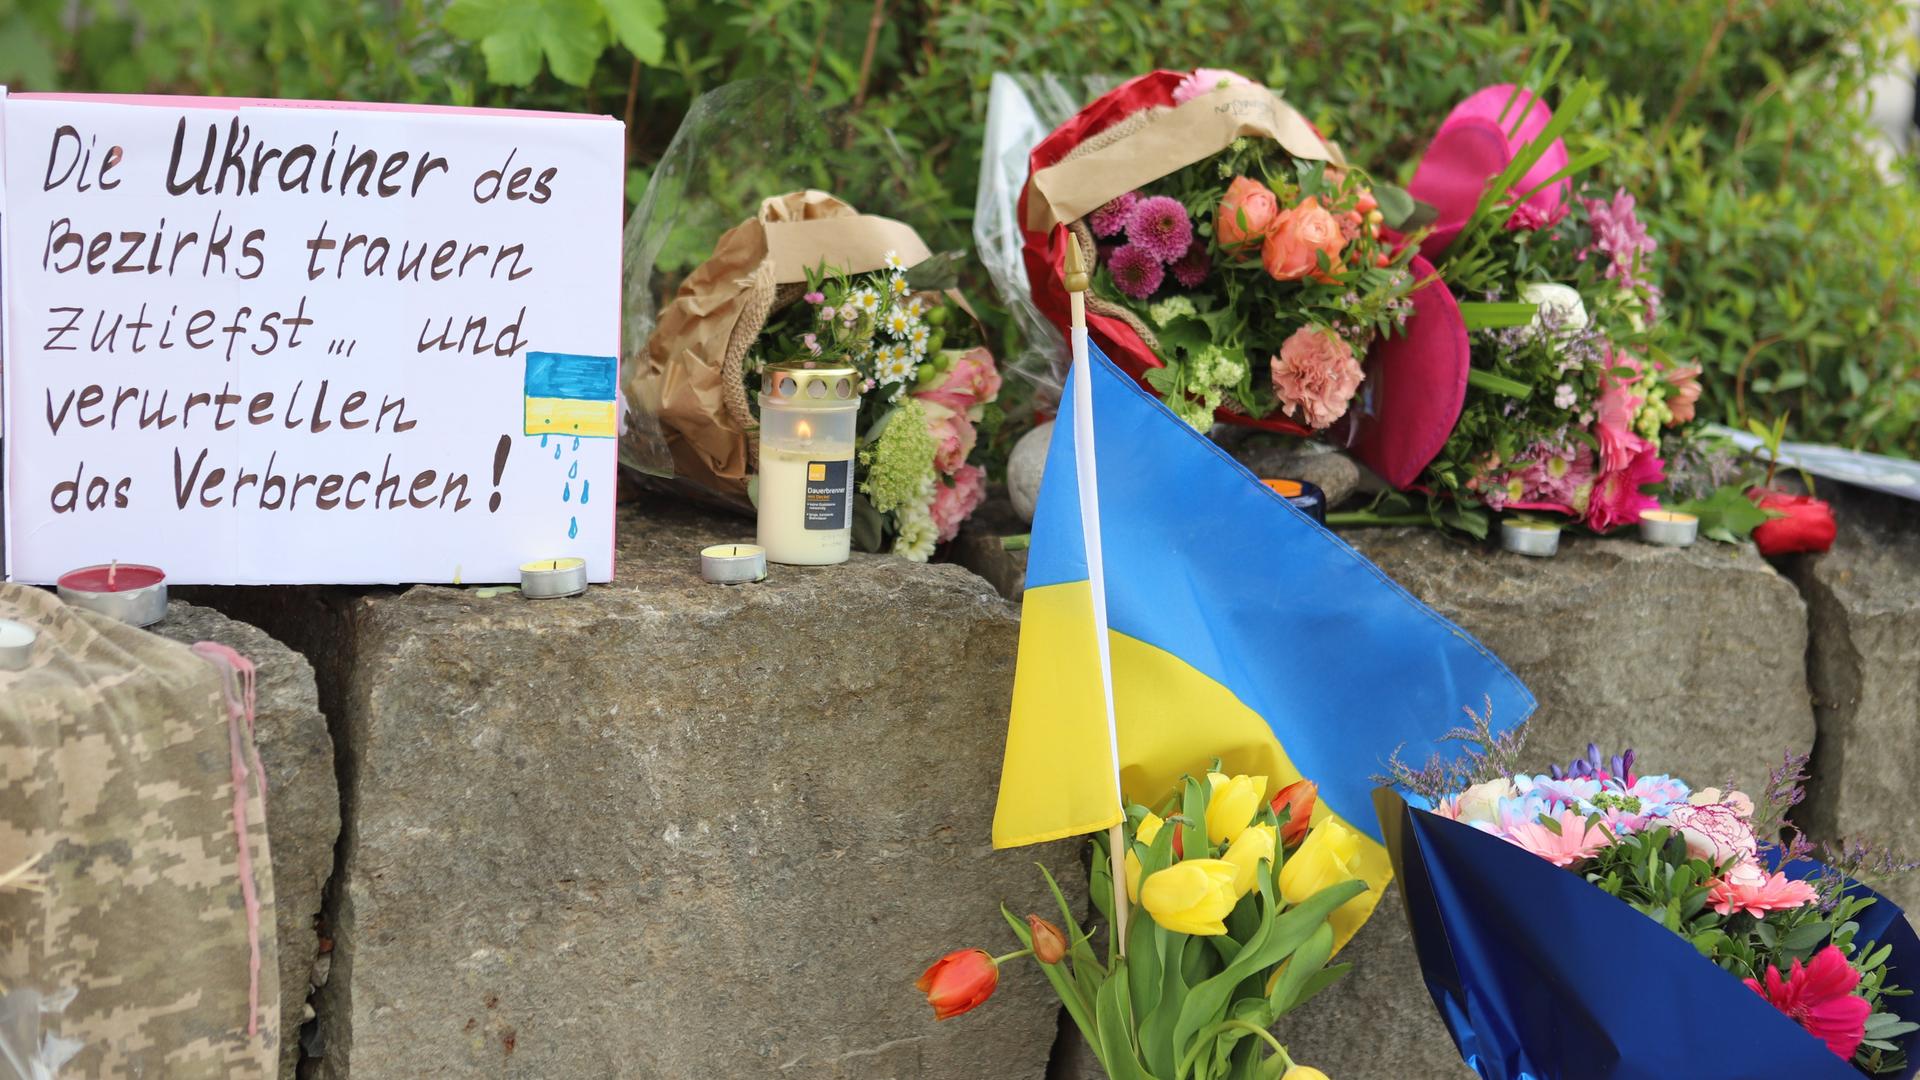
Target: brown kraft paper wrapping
point(1166, 141)
point(683, 378)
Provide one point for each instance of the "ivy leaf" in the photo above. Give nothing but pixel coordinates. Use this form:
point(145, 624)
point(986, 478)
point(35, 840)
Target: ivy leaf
point(639, 25)
point(1727, 515)
point(514, 35)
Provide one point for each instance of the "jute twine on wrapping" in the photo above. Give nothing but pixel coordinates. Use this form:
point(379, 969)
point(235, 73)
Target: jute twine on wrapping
point(692, 376)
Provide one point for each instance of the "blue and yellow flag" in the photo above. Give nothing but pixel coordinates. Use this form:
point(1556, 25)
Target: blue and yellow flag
point(1238, 629)
point(568, 394)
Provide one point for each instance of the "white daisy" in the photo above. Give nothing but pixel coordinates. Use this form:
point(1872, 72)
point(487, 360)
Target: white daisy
point(899, 323)
point(918, 336)
point(894, 262)
point(865, 299)
point(916, 308)
point(899, 285)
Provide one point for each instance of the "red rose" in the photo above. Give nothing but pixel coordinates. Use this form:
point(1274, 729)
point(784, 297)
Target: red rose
point(1807, 525)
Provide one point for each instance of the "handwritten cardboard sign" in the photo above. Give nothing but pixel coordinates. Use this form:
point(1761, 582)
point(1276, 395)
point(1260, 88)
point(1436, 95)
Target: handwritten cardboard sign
point(285, 342)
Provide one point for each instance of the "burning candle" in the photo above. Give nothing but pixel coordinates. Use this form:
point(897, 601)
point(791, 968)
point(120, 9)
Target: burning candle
point(1668, 528)
point(130, 592)
point(16, 645)
point(1522, 537)
point(808, 422)
point(549, 579)
point(1308, 497)
point(733, 564)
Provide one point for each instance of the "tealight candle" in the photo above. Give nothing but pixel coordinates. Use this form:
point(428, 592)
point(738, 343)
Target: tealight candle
point(733, 564)
point(1308, 497)
point(1537, 538)
point(549, 579)
point(1668, 528)
point(808, 422)
point(16, 645)
point(130, 592)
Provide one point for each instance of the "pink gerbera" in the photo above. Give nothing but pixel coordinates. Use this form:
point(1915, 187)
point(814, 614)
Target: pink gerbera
point(1773, 893)
point(1112, 217)
point(1161, 226)
point(1820, 998)
point(1617, 499)
point(1136, 271)
point(1569, 840)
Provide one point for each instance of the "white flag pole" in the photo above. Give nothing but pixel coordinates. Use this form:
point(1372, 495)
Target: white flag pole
point(1077, 282)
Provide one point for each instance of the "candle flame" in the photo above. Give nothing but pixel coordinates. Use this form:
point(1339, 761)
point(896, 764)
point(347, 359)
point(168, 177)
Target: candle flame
point(803, 429)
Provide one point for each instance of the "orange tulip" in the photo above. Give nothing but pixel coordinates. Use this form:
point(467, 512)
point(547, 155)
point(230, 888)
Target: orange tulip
point(959, 981)
point(1296, 800)
point(1049, 944)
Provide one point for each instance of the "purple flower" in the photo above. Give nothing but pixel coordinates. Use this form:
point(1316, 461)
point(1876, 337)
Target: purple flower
point(1136, 271)
point(1161, 226)
point(1111, 218)
point(1192, 268)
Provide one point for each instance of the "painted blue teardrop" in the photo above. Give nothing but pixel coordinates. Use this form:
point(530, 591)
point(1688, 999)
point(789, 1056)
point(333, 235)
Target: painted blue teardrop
point(556, 452)
point(566, 492)
point(573, 528)
point(543, 440)
point(584, 485)
point(576, 442)
point(573, 470)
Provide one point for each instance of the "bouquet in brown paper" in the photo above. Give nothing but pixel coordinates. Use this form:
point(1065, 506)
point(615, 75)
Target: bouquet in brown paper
point(809, 278)
point(1245, 269)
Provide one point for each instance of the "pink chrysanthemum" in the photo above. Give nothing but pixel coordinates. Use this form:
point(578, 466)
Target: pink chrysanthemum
point(1571, 841)
point(1161, 226)
point(1113, 217)
point(1773, 893)
point(1136, 271)
point(1820, 998)
point(1192, 268)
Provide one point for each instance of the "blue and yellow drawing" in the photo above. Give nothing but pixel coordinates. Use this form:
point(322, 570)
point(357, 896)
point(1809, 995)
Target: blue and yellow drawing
point(571, 395)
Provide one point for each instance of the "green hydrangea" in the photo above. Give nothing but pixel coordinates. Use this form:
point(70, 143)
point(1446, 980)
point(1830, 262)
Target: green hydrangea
point(899, 463)
point(1170, 309)
point(1217, 369)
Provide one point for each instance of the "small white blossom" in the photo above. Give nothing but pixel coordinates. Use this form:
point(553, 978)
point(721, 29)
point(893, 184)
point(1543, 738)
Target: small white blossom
point(893, 261)
point(864, 299)
point(1563, 397)
point(899, 285)
point(898, 323)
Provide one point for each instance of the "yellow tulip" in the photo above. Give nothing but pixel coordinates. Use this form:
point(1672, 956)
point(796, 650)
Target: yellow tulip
point(1303, 1072)
point(1191, 897)
point(1328, 856)
point(1149, 828)
point(1246, 853)
point(1231, 806)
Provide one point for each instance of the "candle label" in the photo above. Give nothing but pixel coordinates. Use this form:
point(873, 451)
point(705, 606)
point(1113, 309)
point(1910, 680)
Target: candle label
point(829, 495)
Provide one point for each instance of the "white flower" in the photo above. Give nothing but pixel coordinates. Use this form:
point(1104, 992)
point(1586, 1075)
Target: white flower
point(1564, 397)
point(1569, 312)
point(1481, 802)
point(864, 299)
point(899, 285)
point(893, 261)
point(898, 322)
point(917, 532)
point(915, 307)
point(918, 338)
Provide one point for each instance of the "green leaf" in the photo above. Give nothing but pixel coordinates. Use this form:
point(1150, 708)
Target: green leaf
point(1495, 315)
point(1070, 996)
point(1304, 964)
point(1726, 514)
point(1396, 206)
point(639, 25)
point(513, 35)
point(869, 526)
point(1115, 1021)
point(937, 273)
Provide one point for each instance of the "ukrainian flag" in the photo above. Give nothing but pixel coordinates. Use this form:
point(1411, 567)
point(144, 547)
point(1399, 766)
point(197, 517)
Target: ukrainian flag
point(568, 394)
point(1238, 628)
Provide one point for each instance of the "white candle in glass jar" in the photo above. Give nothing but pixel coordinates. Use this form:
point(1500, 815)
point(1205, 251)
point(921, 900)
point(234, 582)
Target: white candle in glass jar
point(809, 418)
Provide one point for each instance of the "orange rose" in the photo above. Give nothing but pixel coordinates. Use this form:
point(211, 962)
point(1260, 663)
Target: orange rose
point(1246, 213)
point(1295, 238)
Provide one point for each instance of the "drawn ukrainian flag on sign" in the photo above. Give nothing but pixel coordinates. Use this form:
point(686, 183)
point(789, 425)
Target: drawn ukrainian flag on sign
point(569, 394)
point(1238, 629)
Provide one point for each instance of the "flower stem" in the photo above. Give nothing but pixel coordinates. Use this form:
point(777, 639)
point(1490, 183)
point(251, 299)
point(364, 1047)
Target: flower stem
point(1368, 517)
point(1205, 1039)
point(998, 960)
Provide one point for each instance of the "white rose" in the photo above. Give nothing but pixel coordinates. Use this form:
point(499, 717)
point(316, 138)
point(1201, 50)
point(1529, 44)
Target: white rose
point(1481, 802)
point(1570, 313)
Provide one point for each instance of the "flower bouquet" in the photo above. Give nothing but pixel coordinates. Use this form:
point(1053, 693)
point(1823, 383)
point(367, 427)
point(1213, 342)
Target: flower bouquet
point(809, 279)
point(1598, 921)
point(1242, 271)
point(1238, 904)
point(1571, 401)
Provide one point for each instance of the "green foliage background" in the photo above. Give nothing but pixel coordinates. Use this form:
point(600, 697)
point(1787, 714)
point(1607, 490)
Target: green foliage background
point(1790, 252)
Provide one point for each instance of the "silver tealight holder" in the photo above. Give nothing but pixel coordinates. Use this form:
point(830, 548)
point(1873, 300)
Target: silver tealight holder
point(1539, 539)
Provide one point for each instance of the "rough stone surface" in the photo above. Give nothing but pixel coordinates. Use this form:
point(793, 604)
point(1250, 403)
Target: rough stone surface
point(1025, 465)
point(303, 799)
point(1332, 471)
point(672, 829)
point(1694, 656)
point(1863, 598)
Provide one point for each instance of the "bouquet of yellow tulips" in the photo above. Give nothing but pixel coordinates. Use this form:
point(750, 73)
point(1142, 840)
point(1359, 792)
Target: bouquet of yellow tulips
point(1237, 903)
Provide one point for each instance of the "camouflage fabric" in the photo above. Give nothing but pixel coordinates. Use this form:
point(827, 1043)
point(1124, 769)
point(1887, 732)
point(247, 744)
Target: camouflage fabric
point(116, 772)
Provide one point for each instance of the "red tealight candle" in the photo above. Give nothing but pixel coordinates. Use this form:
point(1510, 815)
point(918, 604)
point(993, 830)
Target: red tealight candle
point(130, 592)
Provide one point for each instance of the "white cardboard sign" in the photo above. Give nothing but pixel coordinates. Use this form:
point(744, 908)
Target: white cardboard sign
point(288, 342)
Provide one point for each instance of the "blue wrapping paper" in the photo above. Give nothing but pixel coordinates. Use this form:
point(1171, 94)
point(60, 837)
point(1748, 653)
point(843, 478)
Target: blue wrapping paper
point(1539, 975)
